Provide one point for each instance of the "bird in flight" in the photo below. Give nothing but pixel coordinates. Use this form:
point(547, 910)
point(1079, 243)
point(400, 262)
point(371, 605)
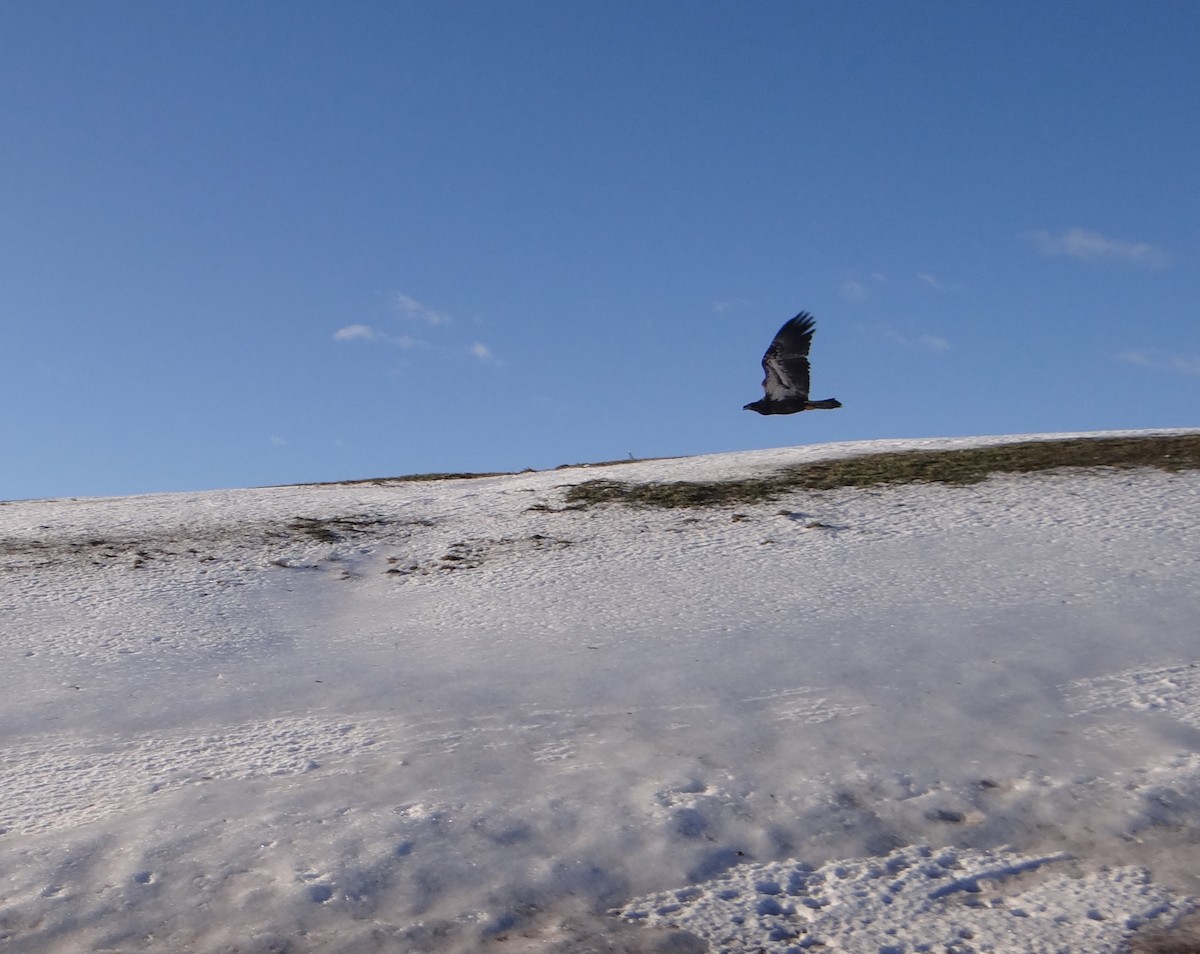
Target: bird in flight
point(786, 367)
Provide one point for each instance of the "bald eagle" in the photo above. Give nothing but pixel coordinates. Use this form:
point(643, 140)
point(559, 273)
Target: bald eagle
point(786, 367)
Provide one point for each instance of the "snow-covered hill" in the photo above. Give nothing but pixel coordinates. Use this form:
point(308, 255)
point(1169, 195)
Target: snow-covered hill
point(458, 715)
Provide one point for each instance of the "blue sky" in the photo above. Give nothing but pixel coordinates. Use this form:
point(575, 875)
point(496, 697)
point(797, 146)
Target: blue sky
point(246, 244)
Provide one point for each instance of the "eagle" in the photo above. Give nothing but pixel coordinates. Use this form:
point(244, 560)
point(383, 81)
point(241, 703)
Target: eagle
point(786, 367)
point(786, 364)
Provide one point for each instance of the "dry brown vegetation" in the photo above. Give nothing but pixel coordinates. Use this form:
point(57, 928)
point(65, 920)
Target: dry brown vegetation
point(966, 466)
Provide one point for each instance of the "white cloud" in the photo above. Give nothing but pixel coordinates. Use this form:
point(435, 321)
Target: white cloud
point(1161, 361)
point(856, 289)
point(853, 290)
point(1094, 247)
point(730, 304)
point(409, 308)
point(932, 282)
point(930, 344)
point(367, 333)
point(482, 351)
point(356, 333)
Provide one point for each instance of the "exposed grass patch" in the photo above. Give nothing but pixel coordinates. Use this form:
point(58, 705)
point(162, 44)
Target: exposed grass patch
point(1183, 938)
point(612, 463)
point(961, 467)
point(386, 481)
point(453, 475)
point(332, 529)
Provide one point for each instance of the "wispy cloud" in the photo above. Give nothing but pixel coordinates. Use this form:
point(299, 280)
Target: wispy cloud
point(412, 310)
point(856, 289)
point(408, 312)
point(932, 343)
point(929, 344)
point(730, 304)
point(367, 333)
point(1093, 247)
point(483, 353)
point(356, 333)
point(1163, 361)
point(933, 283)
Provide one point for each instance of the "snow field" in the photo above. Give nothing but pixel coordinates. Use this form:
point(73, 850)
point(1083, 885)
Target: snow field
point(447, 715)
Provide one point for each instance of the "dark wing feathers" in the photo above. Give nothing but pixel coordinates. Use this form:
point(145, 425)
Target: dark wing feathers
point(786, 361)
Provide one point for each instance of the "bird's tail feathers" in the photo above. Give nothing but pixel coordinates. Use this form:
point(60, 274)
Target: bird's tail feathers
point(827, 404)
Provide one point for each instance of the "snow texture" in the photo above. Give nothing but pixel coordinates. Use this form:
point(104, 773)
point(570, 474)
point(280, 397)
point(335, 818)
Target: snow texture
point(914, 899)
point(454, 715)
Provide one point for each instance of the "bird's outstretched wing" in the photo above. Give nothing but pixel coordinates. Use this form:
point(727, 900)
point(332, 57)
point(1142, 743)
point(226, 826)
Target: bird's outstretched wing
point(786, 361)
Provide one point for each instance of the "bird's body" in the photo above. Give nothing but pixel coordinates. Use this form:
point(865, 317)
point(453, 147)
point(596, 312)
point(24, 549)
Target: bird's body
point(785, 364)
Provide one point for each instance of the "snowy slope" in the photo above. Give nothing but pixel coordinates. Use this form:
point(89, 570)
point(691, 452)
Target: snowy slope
point(446, 715)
